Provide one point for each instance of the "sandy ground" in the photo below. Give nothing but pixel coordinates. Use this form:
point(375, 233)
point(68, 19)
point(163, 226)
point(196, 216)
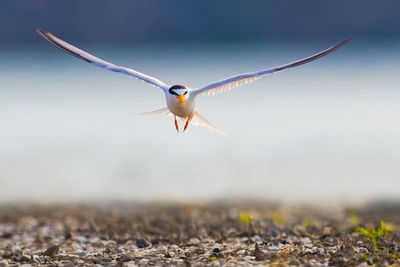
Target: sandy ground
point(214, 234)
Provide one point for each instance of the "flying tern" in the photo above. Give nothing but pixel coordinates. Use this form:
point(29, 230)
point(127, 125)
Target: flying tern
point(181, 100)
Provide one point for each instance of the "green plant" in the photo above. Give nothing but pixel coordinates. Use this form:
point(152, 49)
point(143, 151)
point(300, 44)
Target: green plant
point(394, 256)
point(382, 231)
point(369, 261)
point(245, 218)
point(277, 218)
point(307, 222)
point(353, 217)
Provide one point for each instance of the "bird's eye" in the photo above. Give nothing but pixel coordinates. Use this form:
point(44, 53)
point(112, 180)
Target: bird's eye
point(172, 92)
point(185, 93)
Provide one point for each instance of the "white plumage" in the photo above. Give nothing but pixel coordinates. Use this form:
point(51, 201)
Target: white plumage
point(181, 100)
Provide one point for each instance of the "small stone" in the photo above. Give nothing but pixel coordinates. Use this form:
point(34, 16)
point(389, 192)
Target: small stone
point(241, 252)
point(249, 258)
point(143, 261)
point(25, 258)
point(194, 241)
point(327, 230)
point(52, 251)
point(294, 262)
point(16, 250)
point(258, 254)
point(216, 250)
point(141, 243)
point(66, 264)
point(3, 263)
point(26, 265)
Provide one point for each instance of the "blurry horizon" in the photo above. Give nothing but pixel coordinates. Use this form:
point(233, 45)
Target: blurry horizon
point(324, 131)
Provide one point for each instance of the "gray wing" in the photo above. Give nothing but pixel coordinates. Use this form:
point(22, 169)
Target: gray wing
point(235, 81)
point(72, 50)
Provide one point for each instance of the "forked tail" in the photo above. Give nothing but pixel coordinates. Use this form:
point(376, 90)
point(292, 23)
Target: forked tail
point(197, 119)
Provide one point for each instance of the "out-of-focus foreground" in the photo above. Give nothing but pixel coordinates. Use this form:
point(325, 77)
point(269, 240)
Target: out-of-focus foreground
point(199, 235)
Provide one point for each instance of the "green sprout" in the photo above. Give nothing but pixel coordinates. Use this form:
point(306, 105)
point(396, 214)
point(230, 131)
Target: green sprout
point(307, 222)
point(353, 217)
point(369, 261)
point(245, 218)
point(277, 218)
point(382, 231)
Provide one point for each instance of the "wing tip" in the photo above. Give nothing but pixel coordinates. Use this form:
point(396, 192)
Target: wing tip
point(42, 32)
point(348, 39)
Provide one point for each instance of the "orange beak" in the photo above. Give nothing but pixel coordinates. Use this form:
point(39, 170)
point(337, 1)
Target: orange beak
point(181, 98)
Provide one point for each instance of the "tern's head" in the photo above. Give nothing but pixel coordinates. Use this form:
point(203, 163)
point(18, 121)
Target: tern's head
point(180, 92)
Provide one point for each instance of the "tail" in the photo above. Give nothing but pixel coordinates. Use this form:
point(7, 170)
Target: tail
point(162, 112)
point(199, 120)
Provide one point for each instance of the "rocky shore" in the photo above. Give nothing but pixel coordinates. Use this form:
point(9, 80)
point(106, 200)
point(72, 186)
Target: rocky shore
point(214, 234)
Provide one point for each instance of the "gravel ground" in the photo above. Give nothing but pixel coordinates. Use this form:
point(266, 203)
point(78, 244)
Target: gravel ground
point(215, 234)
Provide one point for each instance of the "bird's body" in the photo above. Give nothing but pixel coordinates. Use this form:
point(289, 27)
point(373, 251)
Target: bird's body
point(181, 101)
point(176, 106)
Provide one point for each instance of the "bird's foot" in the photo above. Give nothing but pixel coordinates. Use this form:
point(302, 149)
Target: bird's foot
point(187, 122)
point(176, 124)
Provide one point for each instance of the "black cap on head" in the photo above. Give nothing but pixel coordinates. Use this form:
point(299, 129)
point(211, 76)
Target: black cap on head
point(171, 90)
point(178, 87)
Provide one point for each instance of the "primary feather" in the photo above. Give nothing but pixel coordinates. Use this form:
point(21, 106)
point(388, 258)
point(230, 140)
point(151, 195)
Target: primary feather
point(74, 51)
point(238, 80)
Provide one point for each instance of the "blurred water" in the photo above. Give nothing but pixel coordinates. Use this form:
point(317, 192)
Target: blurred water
point(325, 131)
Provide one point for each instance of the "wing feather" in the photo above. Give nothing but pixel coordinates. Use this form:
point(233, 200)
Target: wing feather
point(238, 80)
point(74, 51)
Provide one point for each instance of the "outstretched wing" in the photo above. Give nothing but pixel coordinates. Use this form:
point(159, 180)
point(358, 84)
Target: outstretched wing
point(72, 50)
point(235, 81)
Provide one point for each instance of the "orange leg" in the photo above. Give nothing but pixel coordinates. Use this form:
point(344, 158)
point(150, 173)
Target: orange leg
point(176, 124)
point(187, 122)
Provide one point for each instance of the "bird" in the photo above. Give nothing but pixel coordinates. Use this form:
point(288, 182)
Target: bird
point(181, 100)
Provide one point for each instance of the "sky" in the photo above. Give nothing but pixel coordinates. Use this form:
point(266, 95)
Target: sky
point(323, 132)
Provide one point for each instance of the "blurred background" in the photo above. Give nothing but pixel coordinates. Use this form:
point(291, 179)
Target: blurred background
point(324, 132)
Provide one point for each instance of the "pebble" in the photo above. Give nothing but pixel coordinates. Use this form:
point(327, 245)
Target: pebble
point(52, 251)
point(216, 250)
point(241, 252)
point(294, 262)
point(66, 264)
point(3, 263)
point(25, 258)
point(249, 258)
point(16, 250)
point(141, 243)
point(143, 261)
point(194, 241)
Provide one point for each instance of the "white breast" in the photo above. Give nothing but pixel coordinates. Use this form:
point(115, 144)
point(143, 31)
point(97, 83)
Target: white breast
point(179, 109)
